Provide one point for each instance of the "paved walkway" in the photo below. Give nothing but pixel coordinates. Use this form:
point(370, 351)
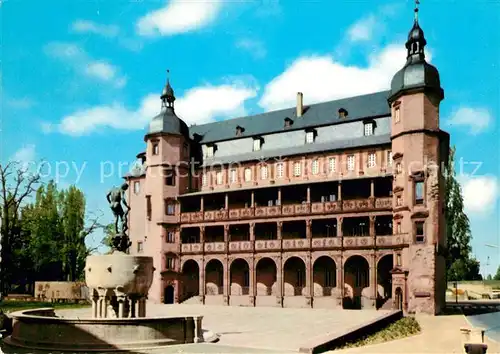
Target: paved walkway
point(276, 329)
point(440, 334)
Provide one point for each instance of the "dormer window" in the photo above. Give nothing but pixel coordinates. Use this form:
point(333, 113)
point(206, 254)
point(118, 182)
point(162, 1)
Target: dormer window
point(239, 131)
point(257, 143)
point(288, 122)
point(369, 128)
point(210, 150)
point(310, 136)
point(342, 113)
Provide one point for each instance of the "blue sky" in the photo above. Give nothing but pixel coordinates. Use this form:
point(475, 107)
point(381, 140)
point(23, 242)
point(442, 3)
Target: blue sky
point(81, 79)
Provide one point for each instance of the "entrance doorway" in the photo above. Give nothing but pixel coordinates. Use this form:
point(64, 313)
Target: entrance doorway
point(169, 295)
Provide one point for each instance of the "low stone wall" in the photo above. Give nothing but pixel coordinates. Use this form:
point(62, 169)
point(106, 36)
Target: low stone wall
point(40, 329)
point(61, 290)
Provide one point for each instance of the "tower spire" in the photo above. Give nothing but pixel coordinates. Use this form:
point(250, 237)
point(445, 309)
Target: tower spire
point(167, 95)
point(417, 3)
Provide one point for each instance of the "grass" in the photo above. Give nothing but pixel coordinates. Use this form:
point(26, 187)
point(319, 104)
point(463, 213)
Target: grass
point(404, 327)
point(10, 306)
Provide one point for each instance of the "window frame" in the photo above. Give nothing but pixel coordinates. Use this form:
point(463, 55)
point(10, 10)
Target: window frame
point(310, 133)
point(247, 176)
point(219, 178)
point(415, 231)
point(140, 246)
point(353, 157)
point(210, 152)
point(257, 141)
point(264, 172)
point(297, 169)
point(371, 130)
point(169, 207)
point(170, 239)
point(137, 187)
point(280, 170)
point(332, 167)
point(371, 163)
point(315, 167)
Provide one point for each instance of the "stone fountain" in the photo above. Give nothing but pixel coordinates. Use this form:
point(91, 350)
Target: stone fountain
point(118, 284)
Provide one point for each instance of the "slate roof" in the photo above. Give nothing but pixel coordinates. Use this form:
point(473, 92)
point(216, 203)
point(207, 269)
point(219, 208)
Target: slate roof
point(365, 141)
point(325, 113)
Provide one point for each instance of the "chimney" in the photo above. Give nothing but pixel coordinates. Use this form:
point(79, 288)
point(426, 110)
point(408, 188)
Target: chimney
point(300, 104)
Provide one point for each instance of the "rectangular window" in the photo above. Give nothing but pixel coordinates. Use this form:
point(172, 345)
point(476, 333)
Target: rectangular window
point(156, 149)
point(170, 263)
point(248, 175)
point(256, 144)
point(351, 162)
point(399, 168)
point(315, 167)
point(204, 179)
point(309, 137)
point(372, 160)
point(419, 232)
point(297, 169)
point(419, 192)
point(140, 247)
point(399, 201)
point(368, 129)
point(398, 228)
point(218, 177)
point(396, 115)
point(210, 151)
point(263, 172)
point(169, 208)
point(148, 207)
point(137, 187)
point(398, 259)
point(332, 164)
point(389, 158)
point(233, 176)
point(170, 177)
point(279, 170)
point(171, 237)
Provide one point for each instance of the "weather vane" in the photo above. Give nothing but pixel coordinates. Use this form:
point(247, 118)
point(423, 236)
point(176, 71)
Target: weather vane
point(417, 2)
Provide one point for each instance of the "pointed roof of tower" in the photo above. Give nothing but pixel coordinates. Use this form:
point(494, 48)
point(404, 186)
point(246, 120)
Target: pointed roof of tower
point(167, 121)
point(417, 74)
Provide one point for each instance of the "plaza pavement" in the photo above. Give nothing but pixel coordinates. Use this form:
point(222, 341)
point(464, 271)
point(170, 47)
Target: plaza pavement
point(276, 330)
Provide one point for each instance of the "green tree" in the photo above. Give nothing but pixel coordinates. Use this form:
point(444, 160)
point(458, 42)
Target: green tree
point(489, 277)
point(460, 264)
point(109, 234)
point(17, 185)
point(497, 275)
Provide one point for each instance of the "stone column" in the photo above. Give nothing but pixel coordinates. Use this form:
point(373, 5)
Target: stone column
point(340, 220)
point(372, 226)
point(226, 201)
point(202, 204)
point(340, 281)
point(279, 282)
point(95, 303)
point(141, 307)
point(253, 281)
point(198, 330)
point(201, 282)
point(252, 199)
point(202, 234)
point(372, 188)
point(339, 190)
point(121, 306)
point(226, 233)
point(309, 281)
point(279, 227)
point(279, 195)
point(226, 291)
point(373, 280)
point(252, 231)
point(308, 228)
point(133, 303)
point(308, 194)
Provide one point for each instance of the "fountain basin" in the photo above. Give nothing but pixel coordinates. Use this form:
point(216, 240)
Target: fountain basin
point(131, 275)
point(41, 329)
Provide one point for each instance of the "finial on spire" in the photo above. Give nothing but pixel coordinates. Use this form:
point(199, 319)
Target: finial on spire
point(417, 2)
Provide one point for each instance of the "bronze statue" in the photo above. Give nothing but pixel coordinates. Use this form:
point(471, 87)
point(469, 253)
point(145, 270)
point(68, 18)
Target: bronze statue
point(116, 197)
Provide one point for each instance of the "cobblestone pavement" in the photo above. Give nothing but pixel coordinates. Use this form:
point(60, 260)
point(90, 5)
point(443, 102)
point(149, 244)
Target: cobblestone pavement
point(278, 329)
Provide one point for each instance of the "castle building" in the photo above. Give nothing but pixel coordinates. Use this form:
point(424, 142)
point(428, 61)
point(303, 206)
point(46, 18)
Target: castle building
point(331, 205)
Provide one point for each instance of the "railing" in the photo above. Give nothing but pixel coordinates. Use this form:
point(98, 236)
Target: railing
point(336, 242)
point(355, 205)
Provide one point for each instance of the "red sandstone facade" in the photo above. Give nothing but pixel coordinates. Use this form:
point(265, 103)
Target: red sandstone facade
point(360, 227)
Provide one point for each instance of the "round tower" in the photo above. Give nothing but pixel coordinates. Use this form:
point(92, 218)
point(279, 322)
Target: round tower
point(419, 149)
point(167, 176)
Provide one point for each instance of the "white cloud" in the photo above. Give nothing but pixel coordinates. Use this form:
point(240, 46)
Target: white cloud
point(179, 16)
point(480, 193)
point(476, 120)
point(76, 56)
point(25, 155)
point(322, 78)
point(254, 47)
point(363, 29)
point(198, 105)
point(85, 26)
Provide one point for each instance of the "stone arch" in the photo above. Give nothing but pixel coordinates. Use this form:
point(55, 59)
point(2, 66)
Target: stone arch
point(356, 278)
point(190, 279)
point(384, 279)
point(266, 276)
point(214, 277)
point(294, 276)
point(324, 276)
point(239, 277)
